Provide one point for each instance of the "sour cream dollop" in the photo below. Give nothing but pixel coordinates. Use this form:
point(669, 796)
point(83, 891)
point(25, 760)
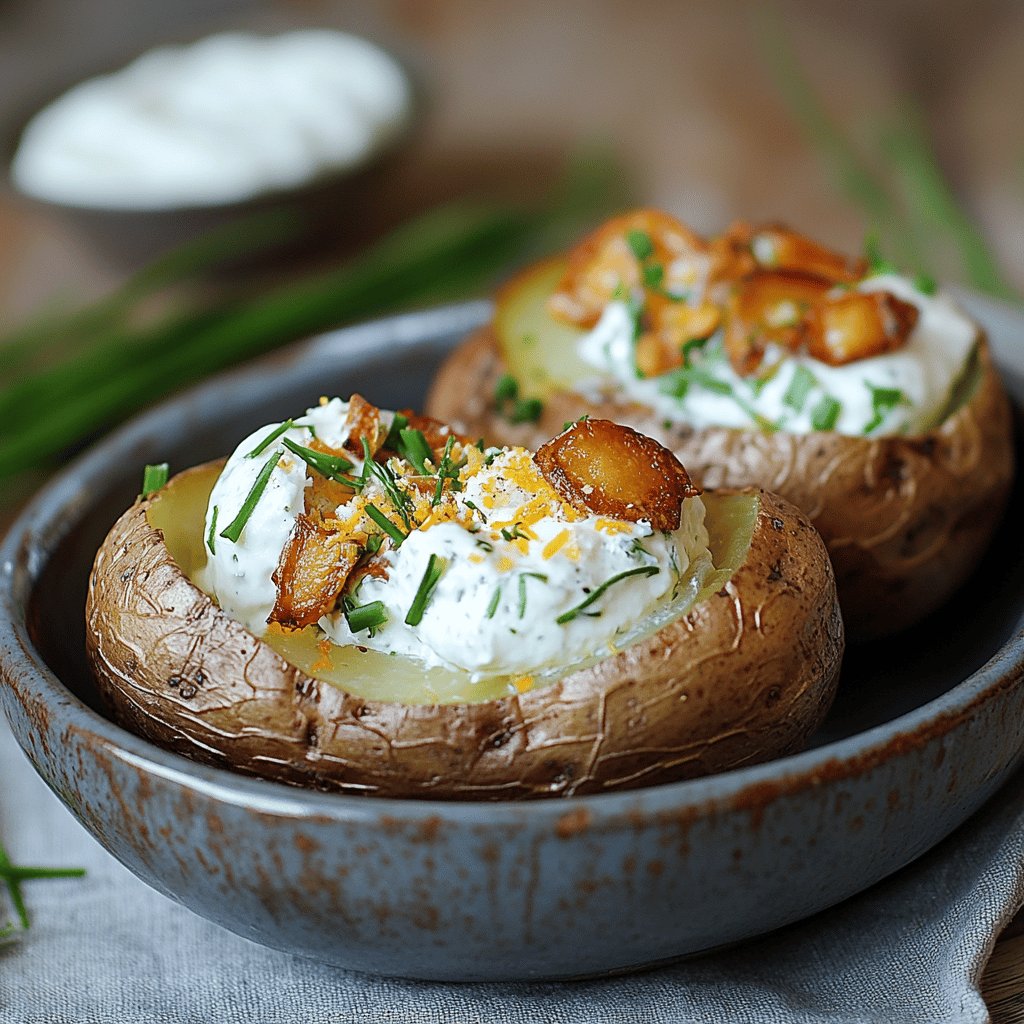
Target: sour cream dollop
point(229, 117)
point(902, 392)
point(527, 583)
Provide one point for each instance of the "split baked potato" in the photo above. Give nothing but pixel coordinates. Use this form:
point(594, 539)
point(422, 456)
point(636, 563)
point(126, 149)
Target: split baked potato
point(906, 507)
point(742, 670)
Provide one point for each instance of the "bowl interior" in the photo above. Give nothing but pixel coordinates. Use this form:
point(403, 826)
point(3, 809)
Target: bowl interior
point(881, 680)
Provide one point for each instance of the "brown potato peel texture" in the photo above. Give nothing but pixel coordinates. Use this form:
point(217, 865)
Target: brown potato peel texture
point(905, 519)
point(746, 675)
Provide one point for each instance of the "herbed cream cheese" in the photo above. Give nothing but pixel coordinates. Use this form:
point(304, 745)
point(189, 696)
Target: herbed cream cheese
point(525, 583)
point(229, 117)
point(902, 392)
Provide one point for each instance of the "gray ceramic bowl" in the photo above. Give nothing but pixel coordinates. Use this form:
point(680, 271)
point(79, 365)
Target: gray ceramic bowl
point(927, 726)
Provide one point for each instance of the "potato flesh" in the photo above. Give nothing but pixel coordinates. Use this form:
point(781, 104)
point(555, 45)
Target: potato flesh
point(178, 512)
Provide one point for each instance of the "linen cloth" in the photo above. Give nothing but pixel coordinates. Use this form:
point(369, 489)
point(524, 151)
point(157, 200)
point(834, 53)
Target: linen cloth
point(106, 949)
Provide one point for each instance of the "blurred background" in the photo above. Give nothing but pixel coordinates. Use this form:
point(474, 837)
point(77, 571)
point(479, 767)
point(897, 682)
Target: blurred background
point(902, 118)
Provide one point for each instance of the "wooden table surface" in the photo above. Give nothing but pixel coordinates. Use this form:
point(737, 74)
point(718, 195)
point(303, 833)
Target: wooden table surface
point(699, 127)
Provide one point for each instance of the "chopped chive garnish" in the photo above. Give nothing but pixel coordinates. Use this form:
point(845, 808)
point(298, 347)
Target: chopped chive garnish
point(514, 534)
point(877, 263)
point(444, 470)
point(522, 588)
point(398, 424)
point(414, 449)
point(637, 548)
point(493, 606)
point(925, 284)
point(366, 616)
point(507, 389)
point(485, 544)
point(883, 401)
point(693, 345)
point(511, 406)
point(526, 410)
point(154, 477)
point(387, 480)
point(211, 541)
point(270, 439)
point(435, 569)
point(385, 524)
point(640, 570)
point(825, 414)
point(654, 274)
point(799, 388)
point(332, 467)
point(641, 244)
point(234, 529)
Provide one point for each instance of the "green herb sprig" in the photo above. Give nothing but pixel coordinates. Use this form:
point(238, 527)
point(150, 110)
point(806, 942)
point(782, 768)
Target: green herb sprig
point(234, 529)
point(513, 407)
point(572, 613)
point(431, 577)
point(117, 356)
point(13, 875)
point(153, 478)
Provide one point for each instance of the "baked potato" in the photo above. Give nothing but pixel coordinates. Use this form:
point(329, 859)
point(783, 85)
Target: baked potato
point(731, 658)
point(906, 493)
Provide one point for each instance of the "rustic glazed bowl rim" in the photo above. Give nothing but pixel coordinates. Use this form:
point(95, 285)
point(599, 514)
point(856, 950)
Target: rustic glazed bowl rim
point(43, 523)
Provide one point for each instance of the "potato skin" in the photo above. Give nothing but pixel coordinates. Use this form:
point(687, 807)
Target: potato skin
point(905, 519)
point(747, 675)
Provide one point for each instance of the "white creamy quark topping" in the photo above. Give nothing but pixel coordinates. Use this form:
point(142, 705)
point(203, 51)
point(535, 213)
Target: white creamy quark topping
point(901, 392)
point(223, 119)
point(514, 559)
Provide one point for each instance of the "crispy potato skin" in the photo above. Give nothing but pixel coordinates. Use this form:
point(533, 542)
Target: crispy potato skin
point(747, 675)
point(905, 519)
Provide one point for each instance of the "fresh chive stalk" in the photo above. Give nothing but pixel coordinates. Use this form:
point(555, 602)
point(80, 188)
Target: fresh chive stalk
point(13, 875)
point(444, 470)
point(414, 449)
point(800, 385)
point(523, 577)
point(492, 607)
point(333, 467)
point(826, 413)
point(572, 613)
point(263, 445)
point(211, 535)
point(883, 401)
point(366, 617)
point(431, 576)
point(448, 253)
point(387, 480)
point(154, 477)
point(234, 529)
point(386, 525)
point(398, 424)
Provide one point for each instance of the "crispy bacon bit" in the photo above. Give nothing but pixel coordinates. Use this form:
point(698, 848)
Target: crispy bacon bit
point(858, 325)
point(311, 573)
point(363, 421)
point(770, 306)
point(607, 469)
point(605, 262)
point(776, 247)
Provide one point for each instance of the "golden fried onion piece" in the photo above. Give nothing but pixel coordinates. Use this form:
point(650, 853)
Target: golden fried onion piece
point(611, 470)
